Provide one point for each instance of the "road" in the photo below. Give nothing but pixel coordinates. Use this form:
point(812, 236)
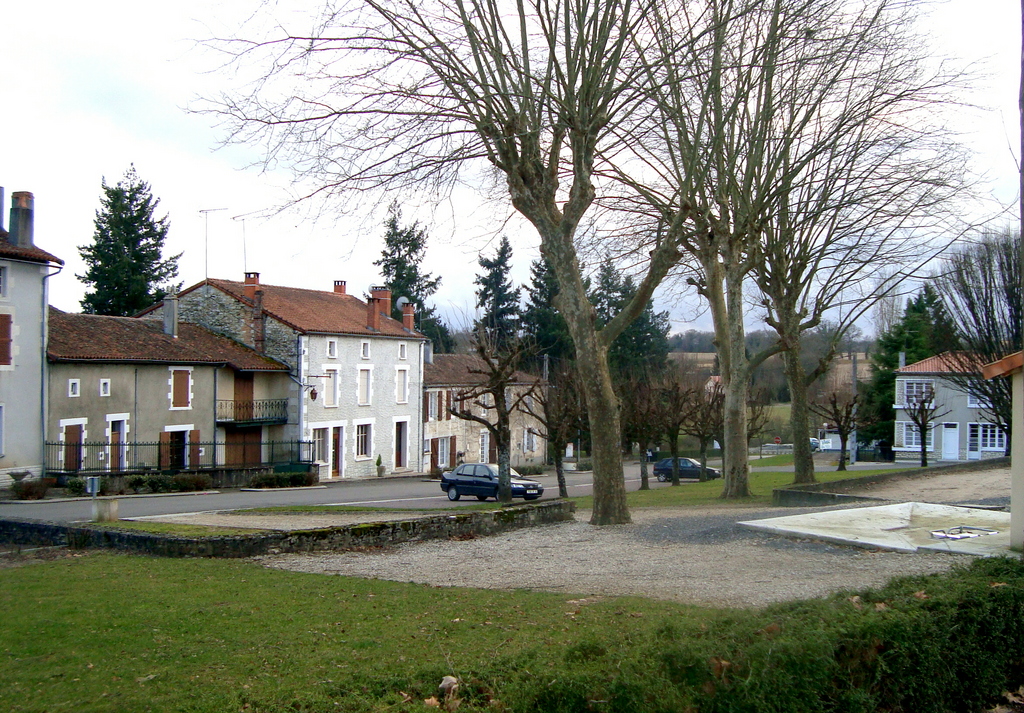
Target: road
point(397, 493)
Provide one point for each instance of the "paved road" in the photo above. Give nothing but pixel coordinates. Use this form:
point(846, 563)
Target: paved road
point(395, 493)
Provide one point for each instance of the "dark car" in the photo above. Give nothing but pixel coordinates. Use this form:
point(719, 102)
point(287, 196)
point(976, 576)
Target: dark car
point(688, 468)
point(481, 480)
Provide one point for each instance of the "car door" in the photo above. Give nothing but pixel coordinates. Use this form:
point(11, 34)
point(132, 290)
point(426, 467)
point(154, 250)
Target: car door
point(485, 482)
point(460, 479)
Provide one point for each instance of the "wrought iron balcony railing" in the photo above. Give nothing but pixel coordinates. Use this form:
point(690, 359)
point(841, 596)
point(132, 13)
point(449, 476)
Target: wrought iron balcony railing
point(255, 411)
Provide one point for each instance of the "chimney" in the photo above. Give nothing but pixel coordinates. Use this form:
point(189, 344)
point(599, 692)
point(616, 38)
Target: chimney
point(251, 280)
point(22, 209)
point(903, 359)
point(372, 313)
point(259, 321)
point(409, 316)
point(384, 295)
point(339, 287)
point(428, 352)
point(170, 311)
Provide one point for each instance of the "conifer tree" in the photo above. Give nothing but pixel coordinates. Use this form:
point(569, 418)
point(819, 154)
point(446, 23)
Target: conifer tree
point(399, 263)
point(643, 345)
point(497, 297)
point(541, 321)
point(126, 267)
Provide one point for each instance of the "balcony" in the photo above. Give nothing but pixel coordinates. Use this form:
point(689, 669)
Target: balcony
point(255, 412)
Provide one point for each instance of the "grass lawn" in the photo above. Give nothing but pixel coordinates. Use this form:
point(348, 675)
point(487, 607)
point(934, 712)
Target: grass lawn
point(111, 632)
point(174, 528)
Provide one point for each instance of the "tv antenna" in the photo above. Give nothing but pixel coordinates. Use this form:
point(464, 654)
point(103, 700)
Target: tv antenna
point(206, 238)
point(242, 217)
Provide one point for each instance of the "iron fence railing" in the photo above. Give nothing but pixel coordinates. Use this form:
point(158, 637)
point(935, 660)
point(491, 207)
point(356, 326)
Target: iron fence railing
point(171, 455)
point(253, 411)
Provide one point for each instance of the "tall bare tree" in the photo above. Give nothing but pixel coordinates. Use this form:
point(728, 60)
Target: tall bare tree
point(843, 410)
point(558, 407)
point(922, 410)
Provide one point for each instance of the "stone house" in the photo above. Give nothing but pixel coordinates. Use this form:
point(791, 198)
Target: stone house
point(964, 428)
point(24, 273)
point(138, 394)
point(356, 373)
point(449, 440)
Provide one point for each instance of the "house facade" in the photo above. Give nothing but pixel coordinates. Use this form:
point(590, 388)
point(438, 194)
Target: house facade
point(964, 427)
point(449, 440)
point(142, 394)
point(24, 273)
point(356, 384)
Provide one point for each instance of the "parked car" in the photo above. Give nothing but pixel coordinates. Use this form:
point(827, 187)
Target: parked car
point(481, 480)
point(815, 445)
point(688, 468)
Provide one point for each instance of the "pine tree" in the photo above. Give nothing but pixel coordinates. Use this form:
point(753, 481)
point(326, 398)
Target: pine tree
point(540, 320)
point(404, 249)
point(126, 268)
point(497, 297)
point(643, 345)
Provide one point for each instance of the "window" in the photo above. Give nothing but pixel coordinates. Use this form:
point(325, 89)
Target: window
point(529, 441)
point(432, 405)
point(6, 339)
point(976, 400)
point(181, 388)
point(331, 388)
point(3, 441)
point(913, 392)
point(912, 436)
point(3, 281)
point(443, 451)
point(992, 438)
point(74, 388)
point(332, 348)
point(364, 387)
point(104, 387)
point(402, 385)
point(363, 440)
point(320, 445)
point(364, 350)
point(403, 351)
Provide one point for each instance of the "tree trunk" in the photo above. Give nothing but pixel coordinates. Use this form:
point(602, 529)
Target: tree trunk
point(504, 474)
point(673, 448)
point(843, 437)
point(924, 448)
point(727, 312)
point(703, 460)
point(563, 491)
point(645, 484)
point(799, 418)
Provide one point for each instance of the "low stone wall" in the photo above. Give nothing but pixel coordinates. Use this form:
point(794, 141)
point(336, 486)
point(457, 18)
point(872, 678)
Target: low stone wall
point(837, 491)
point(348, 537)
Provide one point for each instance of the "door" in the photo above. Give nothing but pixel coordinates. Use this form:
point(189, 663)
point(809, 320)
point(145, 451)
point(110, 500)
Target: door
point(974, 442)
point(73, 447)
point(243, 445)
point(243, 397)
point(951, 441)
point(337, 443)
point(117, 431)
point(400, 446)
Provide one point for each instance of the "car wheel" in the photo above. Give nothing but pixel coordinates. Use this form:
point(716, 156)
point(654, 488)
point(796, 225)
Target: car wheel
point(481, 498)
point(662, 477)
point(453, 492)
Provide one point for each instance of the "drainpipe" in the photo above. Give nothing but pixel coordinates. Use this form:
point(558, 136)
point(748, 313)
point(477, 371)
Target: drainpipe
point(44, 391)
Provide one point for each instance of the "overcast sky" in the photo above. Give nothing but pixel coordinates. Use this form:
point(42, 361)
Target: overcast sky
point(90, 88)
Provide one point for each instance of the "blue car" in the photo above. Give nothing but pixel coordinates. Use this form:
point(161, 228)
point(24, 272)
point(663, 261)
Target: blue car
point(688, 468)
point(481, 480)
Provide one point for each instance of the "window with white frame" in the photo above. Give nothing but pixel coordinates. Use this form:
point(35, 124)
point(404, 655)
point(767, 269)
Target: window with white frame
point(443, 451)
point(331, 388)
point(320, 445)
point(104, 387)
point(432, 405)
point(74, 388)
point(402, 385)
point(403, 350)
point(364, 387)
point(364, 349)
point(181, 389)
point(915, 392)
point(363, 440)
point(976, 400)
point(912, 435)
point(992, 438)
point(332, 348)
point(3, 281)
point(529, 441)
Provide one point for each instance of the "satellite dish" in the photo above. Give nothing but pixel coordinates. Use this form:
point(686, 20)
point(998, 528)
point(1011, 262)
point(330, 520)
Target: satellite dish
point(402, 302)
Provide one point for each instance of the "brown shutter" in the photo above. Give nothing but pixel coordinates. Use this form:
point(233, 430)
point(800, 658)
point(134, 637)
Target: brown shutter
point(452, 451)
point(426, 406)
point(492, 450)
point(180, 388)
point(6, 339)
point(433, 452)
point(448, 405)
point(165, 450)
point(193, 448)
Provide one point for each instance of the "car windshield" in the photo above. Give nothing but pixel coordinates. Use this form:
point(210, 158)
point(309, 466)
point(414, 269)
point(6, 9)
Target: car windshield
point(494, 471)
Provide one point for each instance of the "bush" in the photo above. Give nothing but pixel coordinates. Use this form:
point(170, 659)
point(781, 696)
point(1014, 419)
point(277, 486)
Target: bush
point(530, 470)
point(190, 482)
point(136, 482)
point(30, 489)
point(75, 487)
point(159, 483)
point(584, 465)
point(284, 480)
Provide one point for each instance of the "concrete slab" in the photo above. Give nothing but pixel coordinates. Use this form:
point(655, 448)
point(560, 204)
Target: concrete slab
point(902, 527)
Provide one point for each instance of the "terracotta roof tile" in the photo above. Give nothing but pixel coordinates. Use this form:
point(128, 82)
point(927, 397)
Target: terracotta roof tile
point(314, 310)
point(30, 254)
point(89, 337)
point(945, 363)
point(457, 370)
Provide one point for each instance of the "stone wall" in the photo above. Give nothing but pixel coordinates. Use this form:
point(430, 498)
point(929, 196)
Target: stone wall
point(457, 525)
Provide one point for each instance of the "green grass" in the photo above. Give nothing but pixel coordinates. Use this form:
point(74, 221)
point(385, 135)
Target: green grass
point(772, 461)
point(173, 528)
point(109, 632)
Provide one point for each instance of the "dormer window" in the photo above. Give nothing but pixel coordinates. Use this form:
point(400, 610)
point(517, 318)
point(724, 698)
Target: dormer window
point(364, 350)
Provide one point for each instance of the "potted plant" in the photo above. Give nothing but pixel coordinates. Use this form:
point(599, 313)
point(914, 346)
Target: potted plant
point(380, 467)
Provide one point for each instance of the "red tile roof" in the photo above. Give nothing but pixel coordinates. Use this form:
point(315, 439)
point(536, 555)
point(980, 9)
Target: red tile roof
point(1006, 365)
point(460, 370)
point(945, 363)
point(313, 310)
point(89, 337)
point(33, 254)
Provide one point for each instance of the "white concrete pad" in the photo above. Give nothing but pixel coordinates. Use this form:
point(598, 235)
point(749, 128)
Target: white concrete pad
point(903, 527)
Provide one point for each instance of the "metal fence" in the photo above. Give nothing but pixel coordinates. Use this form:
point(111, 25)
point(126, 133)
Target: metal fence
point(254, 411)
point(171, 455)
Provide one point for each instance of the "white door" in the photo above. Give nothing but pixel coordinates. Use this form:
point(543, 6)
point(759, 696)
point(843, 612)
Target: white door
point(973, 442)
point(951, 441)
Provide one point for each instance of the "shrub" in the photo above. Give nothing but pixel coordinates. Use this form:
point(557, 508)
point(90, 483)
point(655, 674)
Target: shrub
point(159, 483)
point(584, 465)
point(136, 482)
point(190, 482)
point(30, 489)
point(75, 487)
point(530, 469)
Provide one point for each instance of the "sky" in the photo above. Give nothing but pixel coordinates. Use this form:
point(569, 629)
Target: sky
point(92, 88)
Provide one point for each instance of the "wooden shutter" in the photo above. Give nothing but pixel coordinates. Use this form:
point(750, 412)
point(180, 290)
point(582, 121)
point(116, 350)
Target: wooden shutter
point(433, 452)
point(426, 406)
point(180, 388)
point(193, 448)
point(492, 449)
point(6, 339)
point(165, 450)
point(451, 451)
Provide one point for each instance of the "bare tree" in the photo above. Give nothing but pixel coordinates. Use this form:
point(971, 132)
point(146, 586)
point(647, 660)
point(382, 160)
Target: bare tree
point(706, 422)
point(677, 397)
point(842, 410)
point(922, 410)
point(411, 94)
point(641, 415)
point(558, 407)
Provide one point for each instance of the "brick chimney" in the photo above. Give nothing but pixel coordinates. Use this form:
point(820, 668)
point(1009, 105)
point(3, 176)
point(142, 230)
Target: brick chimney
point(22, 210)
point(170, 312)
point(384, 295)
point(251, 280)
point(409, 316)
point(372, 313)
point(339, 286)
point(259, 321)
